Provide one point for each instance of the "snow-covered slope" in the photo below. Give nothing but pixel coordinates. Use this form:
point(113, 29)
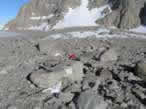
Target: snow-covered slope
point(81, 16)
point(61, 14)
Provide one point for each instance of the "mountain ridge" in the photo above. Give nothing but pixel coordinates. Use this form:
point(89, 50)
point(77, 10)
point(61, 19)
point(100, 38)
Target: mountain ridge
point(46, 14)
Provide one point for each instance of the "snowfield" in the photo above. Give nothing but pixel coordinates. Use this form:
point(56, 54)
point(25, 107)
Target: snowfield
point(140, 29)
point(81, 16)
point(103, 33)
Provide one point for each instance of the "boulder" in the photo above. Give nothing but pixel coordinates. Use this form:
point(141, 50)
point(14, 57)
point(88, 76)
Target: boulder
point(90, 100)
point(66, 97)
point(75, 71)
point(45, 79)
point(110, 55)
point(53, 80)
point(141, 70)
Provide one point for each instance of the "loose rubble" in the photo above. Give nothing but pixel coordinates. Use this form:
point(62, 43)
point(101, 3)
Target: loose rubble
point(105, 74)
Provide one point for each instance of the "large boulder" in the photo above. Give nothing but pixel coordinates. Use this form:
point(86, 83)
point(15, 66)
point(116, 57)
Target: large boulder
point(54, 79)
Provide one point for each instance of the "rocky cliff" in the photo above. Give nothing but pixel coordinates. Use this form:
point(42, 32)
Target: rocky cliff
point(125, 14)
point(49, 14)
point(43, 13)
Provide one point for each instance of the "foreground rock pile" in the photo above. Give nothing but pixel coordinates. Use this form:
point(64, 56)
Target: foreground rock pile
point(99, 78)
point(73, 73)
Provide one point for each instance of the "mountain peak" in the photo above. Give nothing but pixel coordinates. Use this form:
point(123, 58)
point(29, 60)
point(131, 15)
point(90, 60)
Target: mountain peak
point(45, 15)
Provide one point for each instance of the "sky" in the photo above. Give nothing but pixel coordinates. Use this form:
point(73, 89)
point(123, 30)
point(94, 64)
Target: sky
point(9, 9)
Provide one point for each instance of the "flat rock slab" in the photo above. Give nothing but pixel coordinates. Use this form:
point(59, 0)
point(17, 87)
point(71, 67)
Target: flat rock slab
point(44, 79)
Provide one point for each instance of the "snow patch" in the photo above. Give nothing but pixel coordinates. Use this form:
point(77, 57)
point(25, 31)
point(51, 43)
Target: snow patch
point(81, 16)
point(41, 17)
point(100, 33)
point(42, 27)
point(1, 27)
point(55, 89)
point(6, 29)
point(57, 54)
point(69, 71)
point(140, 29)
point(33, 13)
point(80, 34)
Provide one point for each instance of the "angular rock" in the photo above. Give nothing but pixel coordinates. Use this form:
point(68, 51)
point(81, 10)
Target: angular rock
point(75, 72)
point(89, 100)
point(45, 79)
point(54, 79)
point(110, 55)
point(141, 70)
point(66, 97)
point(106, 11)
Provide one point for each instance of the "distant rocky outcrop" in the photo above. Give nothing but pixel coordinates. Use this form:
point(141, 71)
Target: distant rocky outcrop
point(45, 14)
point(125, 14)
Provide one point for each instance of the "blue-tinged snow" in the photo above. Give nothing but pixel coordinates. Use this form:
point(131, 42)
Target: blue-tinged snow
point(140, 29)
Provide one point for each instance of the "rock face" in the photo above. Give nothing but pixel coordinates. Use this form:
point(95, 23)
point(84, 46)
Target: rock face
point(45, 14)
point(125, 14)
